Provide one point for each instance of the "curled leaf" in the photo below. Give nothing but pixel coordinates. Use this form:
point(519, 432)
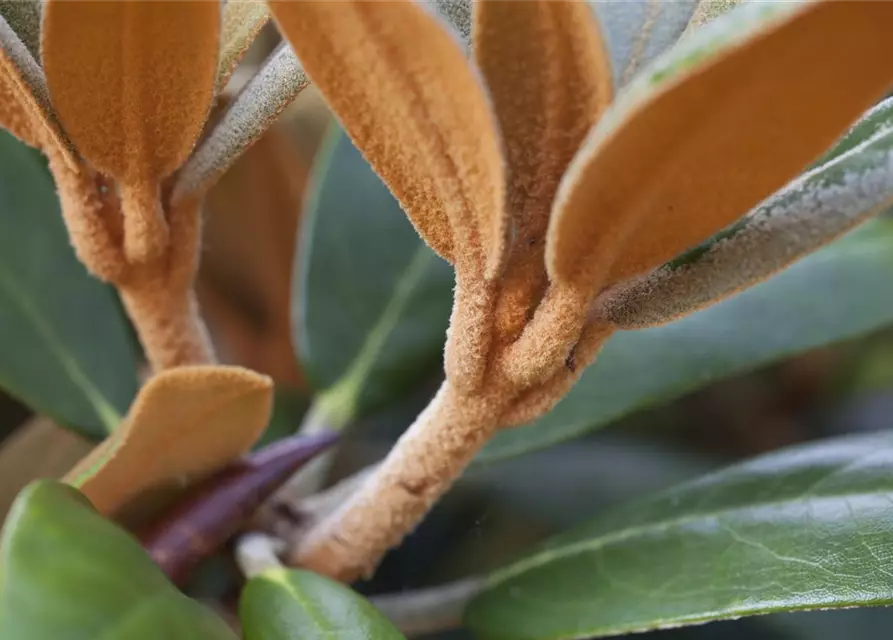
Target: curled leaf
point(549, 77)
point(242, 21)
point(801, 218)
point(251, 113)
point(14, 116)
point(133, 83)
point(712, 128)
point(203, 520)
point(401, 86)
point(184, 425)
point(25, 109)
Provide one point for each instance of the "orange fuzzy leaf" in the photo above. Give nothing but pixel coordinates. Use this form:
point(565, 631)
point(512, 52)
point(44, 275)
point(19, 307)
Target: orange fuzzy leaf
point(25, 109)
point(185, 424)
point(13, 115)
point(405, 93)
point(549, 76)
point(737, 114)
point(132, 83)
point(242, 21)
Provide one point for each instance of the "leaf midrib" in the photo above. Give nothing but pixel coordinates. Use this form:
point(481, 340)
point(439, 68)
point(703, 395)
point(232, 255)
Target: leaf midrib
point(349, 387)
point(625, 534)
point(106, 413)
point(312, 610)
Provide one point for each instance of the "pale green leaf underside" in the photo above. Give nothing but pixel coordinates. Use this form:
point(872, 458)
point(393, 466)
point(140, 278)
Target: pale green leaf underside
point(283, 604)
point(24, 18)
point(636, 31)
point(457, 14)
point(251, 113)
point(799, 529)
point(835, 294)
point(65, 348)
point(807, 214)
point(724, 34)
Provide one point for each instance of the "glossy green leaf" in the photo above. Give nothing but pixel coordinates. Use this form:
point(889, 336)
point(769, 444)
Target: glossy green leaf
point(65, 347)
point(66, 572)
point(281, 604)
point(636, 31)
point(804, 528)
point(838, 293)
point(372, 301)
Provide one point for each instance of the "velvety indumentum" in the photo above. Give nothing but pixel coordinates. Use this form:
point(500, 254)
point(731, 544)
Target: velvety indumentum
point(580, 170)
point(117, 97)
point(551, 184)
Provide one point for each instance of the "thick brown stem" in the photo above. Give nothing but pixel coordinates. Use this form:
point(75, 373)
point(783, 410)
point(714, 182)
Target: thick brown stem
point(168, 323)
point(146, 234)
point(419, 470)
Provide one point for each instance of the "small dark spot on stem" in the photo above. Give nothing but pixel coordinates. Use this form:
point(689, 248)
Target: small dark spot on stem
point(414, 487)
point(570, 362)
point(286, 512)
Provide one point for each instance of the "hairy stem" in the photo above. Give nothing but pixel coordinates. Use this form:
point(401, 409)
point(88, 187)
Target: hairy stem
point(170, 328)
point(420, 468)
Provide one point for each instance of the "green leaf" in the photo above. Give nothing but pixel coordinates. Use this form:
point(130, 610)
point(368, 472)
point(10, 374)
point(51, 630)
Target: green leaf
point(838, 293)
point(280, 604)
point(804, 528)
point(372, 301)
point(66, 347)
point(66, 572)
point(636, 31)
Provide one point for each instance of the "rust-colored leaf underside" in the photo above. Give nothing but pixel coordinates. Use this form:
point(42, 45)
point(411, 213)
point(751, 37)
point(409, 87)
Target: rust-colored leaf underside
point(242, 21)
point(409, 100)
point(185, 424)
point(133, 81)
point(549, 76)
point(706, 148)
point(13, 115)
point(25, 109)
